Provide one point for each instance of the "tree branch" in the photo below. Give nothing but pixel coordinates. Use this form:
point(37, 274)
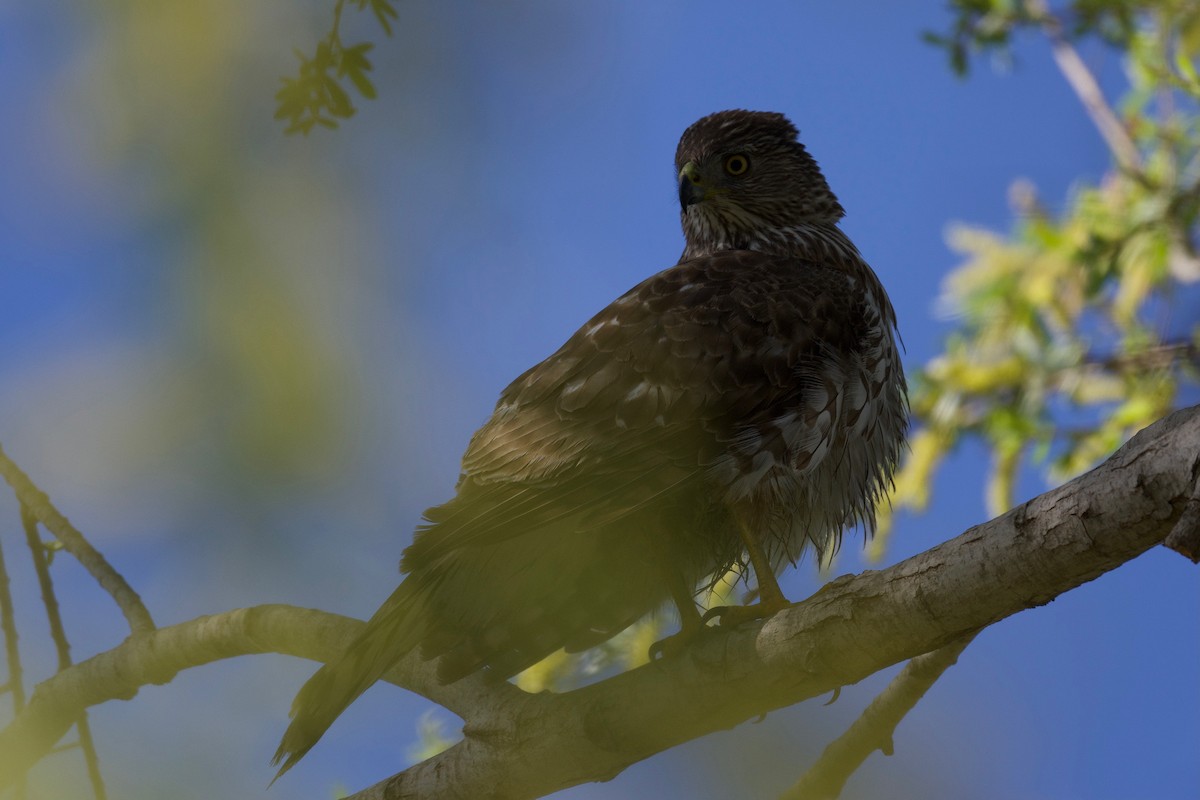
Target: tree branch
point(1083, 82)
point(156, 657)
point(34, 499)
point(518, 745)
point(1185, 536)
point(63, 648)
point(874, 729)
point(12, 653)
point(1025, 558)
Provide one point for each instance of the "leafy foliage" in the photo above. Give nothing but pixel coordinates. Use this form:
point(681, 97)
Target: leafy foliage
point(987, 26)
point(1070, 337)
point(317, 95)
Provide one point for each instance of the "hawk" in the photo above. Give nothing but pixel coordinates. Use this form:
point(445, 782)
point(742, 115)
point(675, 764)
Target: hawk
point(743, 404)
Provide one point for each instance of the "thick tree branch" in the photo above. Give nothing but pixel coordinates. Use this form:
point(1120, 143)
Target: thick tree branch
point(853, 627)
point(521, 745)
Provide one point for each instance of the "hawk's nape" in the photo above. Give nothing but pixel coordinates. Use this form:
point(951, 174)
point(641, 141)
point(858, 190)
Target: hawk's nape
point(743, 404)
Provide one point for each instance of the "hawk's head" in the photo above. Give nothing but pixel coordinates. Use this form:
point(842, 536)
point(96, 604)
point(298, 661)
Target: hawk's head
point(743, 176)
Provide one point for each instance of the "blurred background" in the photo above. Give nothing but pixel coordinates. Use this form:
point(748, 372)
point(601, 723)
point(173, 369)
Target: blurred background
point(243, 363)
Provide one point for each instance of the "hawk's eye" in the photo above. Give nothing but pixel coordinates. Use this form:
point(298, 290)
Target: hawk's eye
point(737, 164)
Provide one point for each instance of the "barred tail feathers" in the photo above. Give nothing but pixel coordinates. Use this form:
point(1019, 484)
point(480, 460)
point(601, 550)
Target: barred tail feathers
point(395, 629)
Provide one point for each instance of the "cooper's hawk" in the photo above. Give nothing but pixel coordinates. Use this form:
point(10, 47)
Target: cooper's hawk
point(747, 401)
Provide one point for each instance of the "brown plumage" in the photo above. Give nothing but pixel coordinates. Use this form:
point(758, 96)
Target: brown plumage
point(749, 399)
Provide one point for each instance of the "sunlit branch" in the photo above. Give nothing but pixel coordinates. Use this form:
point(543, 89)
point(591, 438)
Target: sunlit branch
point(1083, 82)
point(74, 543)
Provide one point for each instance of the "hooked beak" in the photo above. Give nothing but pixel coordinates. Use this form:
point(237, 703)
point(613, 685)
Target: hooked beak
point(691, 189)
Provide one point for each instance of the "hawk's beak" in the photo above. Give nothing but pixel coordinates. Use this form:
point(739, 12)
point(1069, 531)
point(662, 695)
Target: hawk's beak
point(691, 189)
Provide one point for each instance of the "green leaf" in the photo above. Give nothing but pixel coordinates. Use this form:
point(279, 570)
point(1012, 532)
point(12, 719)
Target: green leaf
point(384, 9)
point(339, 102)
point(363, 84)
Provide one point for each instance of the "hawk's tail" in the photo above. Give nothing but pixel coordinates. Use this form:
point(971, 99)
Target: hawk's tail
point(396, 628)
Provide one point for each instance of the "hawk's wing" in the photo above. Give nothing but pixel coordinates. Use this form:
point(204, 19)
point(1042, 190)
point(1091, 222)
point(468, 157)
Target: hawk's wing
point(640, 401)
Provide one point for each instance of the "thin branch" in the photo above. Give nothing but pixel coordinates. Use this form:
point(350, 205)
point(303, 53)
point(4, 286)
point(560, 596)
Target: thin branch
point(63, 648)
point(40, 566)
point(74, 543)
point(12, 653)
point(335, 35)
point(1084, 83)
point(1160, 356)
point(88, 745)
point(875, 728)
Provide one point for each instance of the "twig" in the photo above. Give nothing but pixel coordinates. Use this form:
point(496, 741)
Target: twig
point(61, 645)
point(1087, 89)
point(1160, 356)
point(74, 543)
point(335, 37)
point(46, 584)
point(88, 745)
point(16, 681)
point(874, 729)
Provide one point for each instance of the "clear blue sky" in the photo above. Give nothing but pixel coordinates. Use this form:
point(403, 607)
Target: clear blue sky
point(172, 268)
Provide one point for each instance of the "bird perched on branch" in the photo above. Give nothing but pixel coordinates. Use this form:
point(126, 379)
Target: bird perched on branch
point(743, 404)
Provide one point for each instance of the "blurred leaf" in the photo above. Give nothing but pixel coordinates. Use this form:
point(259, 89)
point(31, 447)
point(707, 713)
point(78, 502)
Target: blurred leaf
point(383, 11)
point(316, 96)
point(1062, 345)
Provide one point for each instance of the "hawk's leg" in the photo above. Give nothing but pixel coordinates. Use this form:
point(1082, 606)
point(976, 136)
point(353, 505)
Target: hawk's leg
point(690, 622)
point(771, 597)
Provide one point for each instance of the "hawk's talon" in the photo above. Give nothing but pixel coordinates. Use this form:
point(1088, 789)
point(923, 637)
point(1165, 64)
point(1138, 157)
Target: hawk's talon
point(732, 616)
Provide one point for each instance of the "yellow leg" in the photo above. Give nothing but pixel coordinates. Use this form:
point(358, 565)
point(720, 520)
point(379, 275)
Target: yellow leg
point(771, 598)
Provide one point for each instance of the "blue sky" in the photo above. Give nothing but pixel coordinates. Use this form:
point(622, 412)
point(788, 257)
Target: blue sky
point(244, 364)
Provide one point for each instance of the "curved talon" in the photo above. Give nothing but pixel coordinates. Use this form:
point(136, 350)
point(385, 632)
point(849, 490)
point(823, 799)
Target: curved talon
point(730, 616)
point(837, 692)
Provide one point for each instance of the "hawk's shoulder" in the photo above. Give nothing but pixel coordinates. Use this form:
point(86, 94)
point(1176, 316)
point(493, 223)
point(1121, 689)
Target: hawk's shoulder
point(697, 345)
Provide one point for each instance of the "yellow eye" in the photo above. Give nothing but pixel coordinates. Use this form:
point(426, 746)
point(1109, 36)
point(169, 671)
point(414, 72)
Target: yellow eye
point(736, 164)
